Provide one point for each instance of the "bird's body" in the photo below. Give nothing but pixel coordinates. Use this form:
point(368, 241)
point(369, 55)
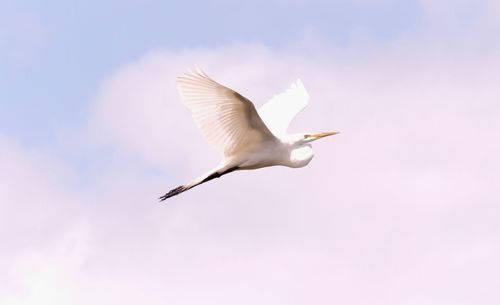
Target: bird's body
point(272, 153)
point(247, 139)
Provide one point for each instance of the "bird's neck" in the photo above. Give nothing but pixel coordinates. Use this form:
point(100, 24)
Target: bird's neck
point(300, 155)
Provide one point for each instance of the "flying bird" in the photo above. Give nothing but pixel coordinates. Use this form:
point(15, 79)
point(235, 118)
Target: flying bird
point(246, 137)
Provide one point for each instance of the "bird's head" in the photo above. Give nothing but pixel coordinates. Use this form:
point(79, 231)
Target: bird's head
point(309, 137)
point(301, 150)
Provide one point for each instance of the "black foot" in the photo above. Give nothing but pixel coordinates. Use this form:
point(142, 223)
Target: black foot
point(173, 192)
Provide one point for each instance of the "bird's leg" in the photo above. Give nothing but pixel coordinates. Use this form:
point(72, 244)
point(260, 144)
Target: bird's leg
point(183, 188)
point(218, 174)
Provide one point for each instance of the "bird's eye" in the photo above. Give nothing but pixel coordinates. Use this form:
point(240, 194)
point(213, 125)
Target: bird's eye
point(306, 136)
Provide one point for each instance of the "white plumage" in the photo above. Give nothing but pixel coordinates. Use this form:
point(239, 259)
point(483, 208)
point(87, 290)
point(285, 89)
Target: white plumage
point(247, 139)
point(228, 121)
point(279, 112)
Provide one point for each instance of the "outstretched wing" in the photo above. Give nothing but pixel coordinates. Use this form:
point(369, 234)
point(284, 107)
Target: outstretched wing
point(228, 120)
point(281, 109)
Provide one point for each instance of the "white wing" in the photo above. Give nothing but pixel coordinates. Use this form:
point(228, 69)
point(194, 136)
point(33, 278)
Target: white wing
point(281, 109)
point(228, 120)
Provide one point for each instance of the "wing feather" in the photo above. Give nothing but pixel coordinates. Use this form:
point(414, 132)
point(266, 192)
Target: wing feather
point(278, 112)
point(229, 121)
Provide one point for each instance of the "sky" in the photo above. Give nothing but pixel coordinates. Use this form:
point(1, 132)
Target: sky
point(401, 208)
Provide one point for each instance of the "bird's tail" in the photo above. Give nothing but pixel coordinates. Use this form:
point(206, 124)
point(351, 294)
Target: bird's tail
point(205, 178)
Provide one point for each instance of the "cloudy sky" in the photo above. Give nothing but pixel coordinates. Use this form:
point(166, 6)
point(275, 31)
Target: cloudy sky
point(402, 208)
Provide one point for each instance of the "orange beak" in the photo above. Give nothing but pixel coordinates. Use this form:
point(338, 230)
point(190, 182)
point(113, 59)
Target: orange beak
point(320, 135)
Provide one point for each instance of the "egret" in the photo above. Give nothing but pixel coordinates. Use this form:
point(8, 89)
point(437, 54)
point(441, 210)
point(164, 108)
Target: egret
point(246, 138)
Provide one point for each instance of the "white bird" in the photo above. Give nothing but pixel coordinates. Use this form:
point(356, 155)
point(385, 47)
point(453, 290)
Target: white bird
point(247, 138)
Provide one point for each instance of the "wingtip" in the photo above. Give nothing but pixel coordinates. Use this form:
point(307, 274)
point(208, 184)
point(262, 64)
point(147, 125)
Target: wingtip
point(192, 74)
point(199, 71)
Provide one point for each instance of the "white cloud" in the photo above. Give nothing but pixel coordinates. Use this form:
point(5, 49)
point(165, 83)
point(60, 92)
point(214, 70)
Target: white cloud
point(50, 276)
point(35, 209)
